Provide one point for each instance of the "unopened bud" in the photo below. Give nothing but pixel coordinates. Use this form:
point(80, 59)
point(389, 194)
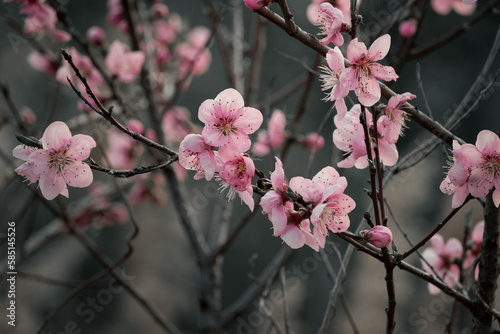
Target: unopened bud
point(379, 236)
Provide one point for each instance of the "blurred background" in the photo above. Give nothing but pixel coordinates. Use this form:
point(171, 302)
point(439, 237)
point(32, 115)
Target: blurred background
point(163, 265)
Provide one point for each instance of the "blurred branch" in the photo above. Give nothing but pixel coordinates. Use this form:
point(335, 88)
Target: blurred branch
point(135, 171)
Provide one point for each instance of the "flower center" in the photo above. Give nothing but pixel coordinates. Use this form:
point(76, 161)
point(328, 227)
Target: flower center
point(225, 125)
point(492, 165)
point(59, 160)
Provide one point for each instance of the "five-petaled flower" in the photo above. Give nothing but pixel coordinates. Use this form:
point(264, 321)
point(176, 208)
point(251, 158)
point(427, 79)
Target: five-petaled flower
point(60, 161)
point(363, 71)
point(228, 122)
point(331, 24)
point(335, 90)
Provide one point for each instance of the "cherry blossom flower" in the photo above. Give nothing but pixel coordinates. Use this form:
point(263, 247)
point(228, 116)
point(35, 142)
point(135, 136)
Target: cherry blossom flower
point(330, 206)
point(96, 35)
point(196, 154)
point(41, 19)
point(166, 31)
point(474, 248)
point(441, 257)
point(42, 62)
point(125, 64)
point(484, 166)
point(313, 10)
point(408, 28)
point(391, 123)
point(273, 137)
point(331, 24)
point(379, 236)
point(256, 4)
point(287, 223)
point(60, 161)
point(159, 11)
point(176, 124)
point(350, 137)
point(115, 15)
point(194, 58)
point(456, 180)
point(363, 71)
point(462, 7)
point(228, 122)
point(236, 170)
point(123, 150)
point(330, 78)
point(313, 142)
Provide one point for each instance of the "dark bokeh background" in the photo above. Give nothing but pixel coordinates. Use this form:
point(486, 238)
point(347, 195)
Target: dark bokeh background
point(163, 264)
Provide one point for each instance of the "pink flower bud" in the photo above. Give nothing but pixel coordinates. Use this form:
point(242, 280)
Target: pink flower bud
point(135, 126)
point(312, 142)
point(379, 236)
point(96, 35)
point(159, 11)
point(256, 4)
point(408, 28)
point(28, 117)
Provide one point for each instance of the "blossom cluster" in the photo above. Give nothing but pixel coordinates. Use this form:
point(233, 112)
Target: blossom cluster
point(221, 146)
point(294, 207)
point(58, 163)
point(474, 170)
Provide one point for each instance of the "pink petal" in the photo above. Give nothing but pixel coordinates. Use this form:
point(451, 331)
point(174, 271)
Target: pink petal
point(249, 121)
point(80, 147)
point(355, 50)
point(459, 196)
point(78, 175)
point(293, 237)
point(479, 185)
point(488, 143)
point(454, 248)
point(279, 220)
point(463, 8)
point(379, 48)
point(385, 73)
point(368, 91)
point(52, 184)
point(56, 136)
point(207, 113)
point(335, 60)
point(238, 141)
point(246, 197)
point(328, 176)
point(278, 176)
point(442, 7)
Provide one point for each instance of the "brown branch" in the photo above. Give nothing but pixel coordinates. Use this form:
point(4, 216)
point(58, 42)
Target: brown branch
point(135, 171)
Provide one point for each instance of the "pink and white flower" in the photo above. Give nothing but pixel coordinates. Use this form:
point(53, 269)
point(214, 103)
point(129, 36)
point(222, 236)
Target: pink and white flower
point(26, 169)
point(455, 181)
point(349, 137)
point(228, 122)
point(461, 7)
point(60, 161)
point(196, 154)
point(391, 123)
point(125, 64)
point(236, 169)
point(330, 22)
point(330, 78)
point(442, 257)
point(273, 137)
point(363, 71)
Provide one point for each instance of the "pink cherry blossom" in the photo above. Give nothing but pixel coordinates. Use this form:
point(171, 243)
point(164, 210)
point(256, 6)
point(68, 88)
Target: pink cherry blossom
point(331, 24)
point(455, 181)
point(166, 31)
point(363, 71)
point(484, 166)
point(125, 64)
point(159, 11)
point(350, 138)
point(96, 35)
point(313, 142)
point(228, 122)
point(42, 62)
point(391, 123)
point(123, 150)
point(60, 161)
point(442, 258)
point(176, 124)
point(462, 7)
point(196, 154)
point(379, 236)
point(273, 137)
point(331, 80)
point(408, 28)
point(236, 170)
point(41, 19)
point(313, 10)
point(256, 4)
point(115, 15)
point(330, 206)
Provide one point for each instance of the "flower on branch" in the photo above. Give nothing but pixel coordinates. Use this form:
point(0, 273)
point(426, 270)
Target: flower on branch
point(442, 258)
point(273, 137)
point(379, 236)
point(330, 22)
point(330, 77)
point(350, 138)
point(59, 162)
point(475, 169)
point(363, 71)
point(228, 122)
point(123, 63)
